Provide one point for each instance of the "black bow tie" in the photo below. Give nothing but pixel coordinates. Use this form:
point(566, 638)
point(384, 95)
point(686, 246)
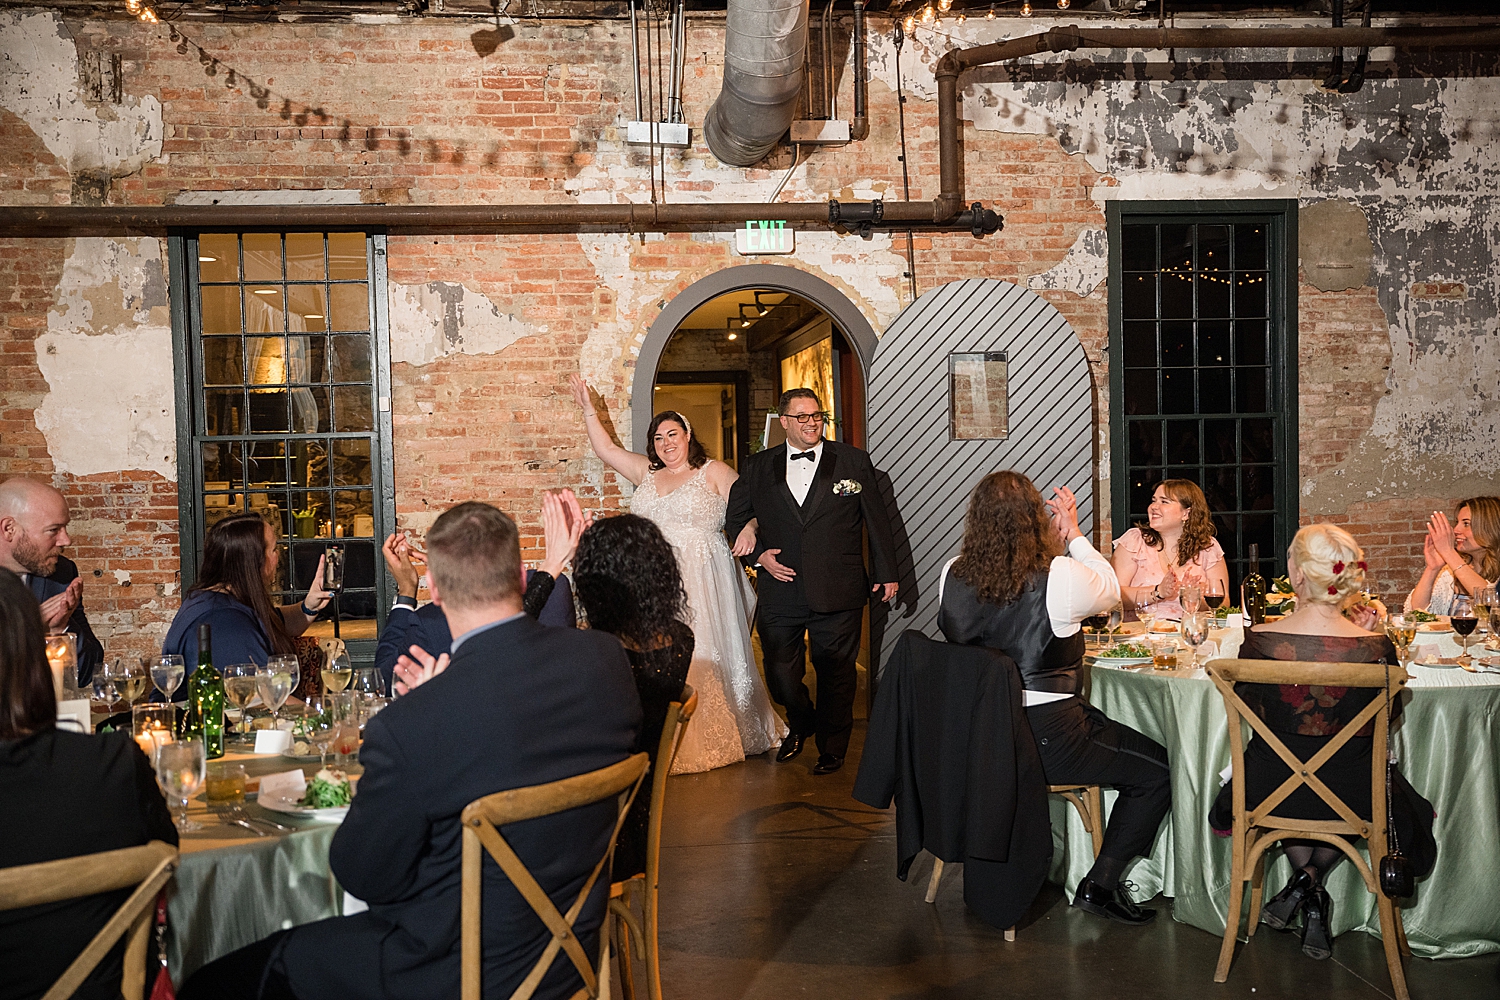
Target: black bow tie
point(803, 454)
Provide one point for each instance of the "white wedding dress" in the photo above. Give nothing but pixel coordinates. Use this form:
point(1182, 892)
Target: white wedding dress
point(735, 719)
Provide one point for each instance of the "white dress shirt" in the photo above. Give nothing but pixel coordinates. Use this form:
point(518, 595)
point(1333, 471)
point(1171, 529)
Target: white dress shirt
point(799, 474)
point(1079, 584)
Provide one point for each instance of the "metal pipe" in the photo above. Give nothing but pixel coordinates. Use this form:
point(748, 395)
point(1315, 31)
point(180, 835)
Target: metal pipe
point(635, 62)
point(950, 200)
point(674, 98)
point(681, 56)
point(859, 128)
point(796, 155)
point(830, 99)
point(764, 64)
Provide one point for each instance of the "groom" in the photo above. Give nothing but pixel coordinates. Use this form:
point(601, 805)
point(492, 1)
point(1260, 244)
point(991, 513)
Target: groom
point(815, 500)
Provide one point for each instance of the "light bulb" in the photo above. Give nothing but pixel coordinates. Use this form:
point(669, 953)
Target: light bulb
point(1064, 4)
point(149, 16)
point(1026, 8)
point(927, 15)
point(943, 5)
point(962, 17)
point(909, 24)
point(133, 6)
point(733, 336)
point(991, 15)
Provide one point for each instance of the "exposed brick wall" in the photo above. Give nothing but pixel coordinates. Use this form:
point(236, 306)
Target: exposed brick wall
point(1344, 355)
point(1391, 532)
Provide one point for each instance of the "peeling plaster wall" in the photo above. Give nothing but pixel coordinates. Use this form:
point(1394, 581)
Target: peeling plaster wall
point(441, 317)
point(39, 84)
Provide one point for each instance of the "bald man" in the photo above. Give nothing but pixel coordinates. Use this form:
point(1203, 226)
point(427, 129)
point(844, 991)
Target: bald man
point(33, 533)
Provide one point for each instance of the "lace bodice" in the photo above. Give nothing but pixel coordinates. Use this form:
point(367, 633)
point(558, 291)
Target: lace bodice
point(687, 514)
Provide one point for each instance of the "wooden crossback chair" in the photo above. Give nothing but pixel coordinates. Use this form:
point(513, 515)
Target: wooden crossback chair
point(1087, 799)
point(147, 868)
point(1255, 830)
point(482, 819)
point(647, 885)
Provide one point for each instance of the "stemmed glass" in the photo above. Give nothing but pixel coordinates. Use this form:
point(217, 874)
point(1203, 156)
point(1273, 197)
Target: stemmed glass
point(1194, 629)
point(179, 771)
point(1402, 631)
point(370, 682)
point(275, 685)
point(132, 674)
point(104, 693)
point(1147, 617)
point(336, 674)
point(167, 672)
point(322, 726)
point(1190, 596)
point(1116, 616)
point(1461, 617)
point(1484, 607)
point(1213, 594)
point(239, 688)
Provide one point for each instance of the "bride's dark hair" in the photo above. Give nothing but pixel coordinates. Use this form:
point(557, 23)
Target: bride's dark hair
point(626, 577)
point(696, 455)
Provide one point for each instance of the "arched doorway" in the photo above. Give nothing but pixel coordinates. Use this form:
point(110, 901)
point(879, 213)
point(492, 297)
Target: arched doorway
point(726, 346)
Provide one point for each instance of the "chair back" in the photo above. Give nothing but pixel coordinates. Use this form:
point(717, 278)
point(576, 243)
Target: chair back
point(482, 819)
point(147, 868)
point(679, 714)
point(1388, 679)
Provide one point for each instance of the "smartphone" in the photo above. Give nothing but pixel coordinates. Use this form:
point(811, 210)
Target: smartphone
point(333, 568)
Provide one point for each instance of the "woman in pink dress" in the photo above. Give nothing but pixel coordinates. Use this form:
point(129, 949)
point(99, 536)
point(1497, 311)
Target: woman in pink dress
point(1175, 548)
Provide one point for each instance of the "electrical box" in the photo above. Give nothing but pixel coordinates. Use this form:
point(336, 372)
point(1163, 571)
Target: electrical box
point(819, 133)
point(667, 134)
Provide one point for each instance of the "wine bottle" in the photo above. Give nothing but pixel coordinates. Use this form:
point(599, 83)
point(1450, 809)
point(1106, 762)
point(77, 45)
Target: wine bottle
point(1253, 590)
point(205, 698)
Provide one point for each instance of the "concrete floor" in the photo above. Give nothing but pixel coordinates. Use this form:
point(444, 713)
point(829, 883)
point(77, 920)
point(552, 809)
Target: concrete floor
point(778, 884)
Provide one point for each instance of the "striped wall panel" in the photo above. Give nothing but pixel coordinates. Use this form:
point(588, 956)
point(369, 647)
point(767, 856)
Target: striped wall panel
point(1051, 420)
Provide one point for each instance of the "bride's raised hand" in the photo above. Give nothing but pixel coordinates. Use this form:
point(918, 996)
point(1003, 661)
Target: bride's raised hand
point(580, 392)
point(744, 545)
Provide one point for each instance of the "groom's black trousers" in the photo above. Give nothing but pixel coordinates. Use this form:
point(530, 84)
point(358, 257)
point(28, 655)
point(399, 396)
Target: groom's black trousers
point(833, 640)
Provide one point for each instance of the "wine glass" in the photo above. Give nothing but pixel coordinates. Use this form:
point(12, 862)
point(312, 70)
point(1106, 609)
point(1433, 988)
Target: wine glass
point(1116, 616)
point(1461, 616)
point(1190, 595)
point(337, 673)
point(103, 692)
point(275, 686)
point(370, 682)
point(1402, 631)
point(1094, 623)
point(1147, 617)
point(167, 672)
point(179, 771)
point(132, 674)
point(1484, 608)
point(1194, 630)
point(1213, 594)
point(239, 688)
point(291, 665)
point(322, 726)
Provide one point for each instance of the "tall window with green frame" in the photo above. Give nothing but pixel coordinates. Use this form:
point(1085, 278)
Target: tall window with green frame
point(1203, 372)
point(287, 380)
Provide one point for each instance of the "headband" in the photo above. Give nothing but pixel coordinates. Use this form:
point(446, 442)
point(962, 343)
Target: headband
point(686, 424)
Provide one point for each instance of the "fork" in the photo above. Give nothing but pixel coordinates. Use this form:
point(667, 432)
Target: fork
point(237, 812)
point(233, 816)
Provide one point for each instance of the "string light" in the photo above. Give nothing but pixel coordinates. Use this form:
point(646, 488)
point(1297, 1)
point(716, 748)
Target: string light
point(910, 23)
point(149, 16)
point(1064, 4)
point(962, 17)
point(927, 15)
point(943, 5)
point(991, 15)
point(1026, 8)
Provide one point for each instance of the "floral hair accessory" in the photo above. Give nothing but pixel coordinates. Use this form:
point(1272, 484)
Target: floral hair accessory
point(1338, 568)
point(1362, 566)
point(1332, 590)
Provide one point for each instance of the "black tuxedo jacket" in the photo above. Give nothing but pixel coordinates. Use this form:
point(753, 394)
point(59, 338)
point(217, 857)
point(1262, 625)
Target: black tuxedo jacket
point(824, 538)
point(90, 650)
point(949, 741)
point(520, 704)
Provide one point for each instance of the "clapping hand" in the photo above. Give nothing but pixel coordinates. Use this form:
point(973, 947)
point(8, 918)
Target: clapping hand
point(1064, 510)
point(1440, 534)
point(563, 523)
point(57, 609)
point(400, 558)
point(416, 669)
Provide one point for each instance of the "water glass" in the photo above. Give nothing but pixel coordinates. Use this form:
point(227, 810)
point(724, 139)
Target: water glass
point(180, 773)
point(226, 782)
point(1190, 595)
point(275, 686)
point(167, 672)
point(1164, 653)
point(347, 709)
point(1194, 630)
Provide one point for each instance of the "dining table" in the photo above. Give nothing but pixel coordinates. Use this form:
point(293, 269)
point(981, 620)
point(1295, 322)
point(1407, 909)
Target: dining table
point(235, 886)
point(1447, 744)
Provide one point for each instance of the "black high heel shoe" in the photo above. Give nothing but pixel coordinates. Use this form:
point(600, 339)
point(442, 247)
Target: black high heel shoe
point(1317, 917)
point(1282, 909)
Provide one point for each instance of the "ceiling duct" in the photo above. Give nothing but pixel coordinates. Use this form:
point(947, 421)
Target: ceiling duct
point(765, 43)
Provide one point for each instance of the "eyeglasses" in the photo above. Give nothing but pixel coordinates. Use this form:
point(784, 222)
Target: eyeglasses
point(817, 416)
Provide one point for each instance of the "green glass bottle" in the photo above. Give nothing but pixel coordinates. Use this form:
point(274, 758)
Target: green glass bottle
point(1253, 590)
point(205, 698)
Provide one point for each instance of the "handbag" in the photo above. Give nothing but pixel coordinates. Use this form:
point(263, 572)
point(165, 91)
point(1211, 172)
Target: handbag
point(1398, 877)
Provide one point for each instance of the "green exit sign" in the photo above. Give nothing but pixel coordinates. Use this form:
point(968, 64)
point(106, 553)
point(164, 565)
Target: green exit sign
point(763, 236)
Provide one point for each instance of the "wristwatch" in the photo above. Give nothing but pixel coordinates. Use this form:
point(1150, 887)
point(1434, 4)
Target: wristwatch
point(402, 601)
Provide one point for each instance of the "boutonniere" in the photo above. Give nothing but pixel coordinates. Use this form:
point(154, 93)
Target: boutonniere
point(847, 488)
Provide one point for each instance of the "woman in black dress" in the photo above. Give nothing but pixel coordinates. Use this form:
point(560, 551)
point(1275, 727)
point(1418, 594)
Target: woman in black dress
point(1327, 570)
point(65, 795)
point(627, 580)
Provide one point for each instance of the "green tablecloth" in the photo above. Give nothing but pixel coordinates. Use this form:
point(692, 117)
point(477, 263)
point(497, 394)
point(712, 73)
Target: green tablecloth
point(1448, 744)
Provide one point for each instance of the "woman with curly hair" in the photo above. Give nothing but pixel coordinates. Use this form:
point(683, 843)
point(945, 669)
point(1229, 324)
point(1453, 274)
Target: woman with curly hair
point(686, 494)
point(1326, 568)
point(1175, 547)
point(1461, 558)
point(627, 581)
point(1023, 581)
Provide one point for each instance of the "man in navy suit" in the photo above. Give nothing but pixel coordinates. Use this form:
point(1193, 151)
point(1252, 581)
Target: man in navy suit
point(512, 704)
point(33, 532)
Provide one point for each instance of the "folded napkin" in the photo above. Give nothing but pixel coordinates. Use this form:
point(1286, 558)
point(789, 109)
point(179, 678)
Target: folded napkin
point(288, 785)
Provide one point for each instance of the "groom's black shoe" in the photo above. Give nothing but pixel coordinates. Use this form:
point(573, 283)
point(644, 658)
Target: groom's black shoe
point(827, 764)
point(790, 747)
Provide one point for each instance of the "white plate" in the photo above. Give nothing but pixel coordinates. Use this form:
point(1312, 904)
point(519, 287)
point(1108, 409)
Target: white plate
point(279, 804)
point(1433, 628)
point(1121, 661)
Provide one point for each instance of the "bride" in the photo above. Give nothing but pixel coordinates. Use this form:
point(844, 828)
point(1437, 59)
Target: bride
point(685, 493)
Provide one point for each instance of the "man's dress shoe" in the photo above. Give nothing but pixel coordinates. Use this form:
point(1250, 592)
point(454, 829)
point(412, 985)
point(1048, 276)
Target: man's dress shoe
point(790, 747)
point(827, 764)
point(1115, 903)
